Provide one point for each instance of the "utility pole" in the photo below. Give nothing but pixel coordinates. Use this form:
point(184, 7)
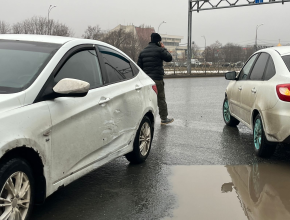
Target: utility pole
point(189, 40)
point(256, 45)
point(163, 22)
point(49, 9)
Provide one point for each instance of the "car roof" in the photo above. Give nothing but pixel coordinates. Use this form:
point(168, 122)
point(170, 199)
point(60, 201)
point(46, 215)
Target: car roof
point(36, 38)
point(54, 39)
point(282, 50)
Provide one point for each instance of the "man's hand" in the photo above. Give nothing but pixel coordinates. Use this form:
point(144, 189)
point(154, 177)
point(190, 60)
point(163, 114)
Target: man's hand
point(162, 45)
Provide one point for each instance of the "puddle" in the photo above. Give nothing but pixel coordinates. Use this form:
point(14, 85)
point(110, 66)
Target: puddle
point(259, 191)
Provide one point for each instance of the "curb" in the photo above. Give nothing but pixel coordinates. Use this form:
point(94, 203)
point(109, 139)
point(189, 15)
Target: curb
point(194, 75)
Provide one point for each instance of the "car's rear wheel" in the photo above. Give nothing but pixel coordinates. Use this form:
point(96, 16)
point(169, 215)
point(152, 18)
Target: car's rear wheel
point(228, 118)
point(263, 148)
point(17, 190)
point(142, 142)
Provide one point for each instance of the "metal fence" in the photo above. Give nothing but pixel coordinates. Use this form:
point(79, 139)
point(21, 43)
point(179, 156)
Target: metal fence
point(215, 68)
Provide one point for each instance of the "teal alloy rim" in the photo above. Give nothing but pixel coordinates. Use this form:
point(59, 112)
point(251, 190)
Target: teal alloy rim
point(227, 114)
point(258, 134)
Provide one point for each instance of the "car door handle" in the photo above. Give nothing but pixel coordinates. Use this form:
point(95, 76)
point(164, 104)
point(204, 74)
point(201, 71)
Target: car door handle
point(254, 90)
point(103, 100)
point(137, 87)
point(240, 88)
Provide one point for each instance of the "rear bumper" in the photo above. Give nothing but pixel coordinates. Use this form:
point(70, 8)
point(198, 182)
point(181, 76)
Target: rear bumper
point(277, 122)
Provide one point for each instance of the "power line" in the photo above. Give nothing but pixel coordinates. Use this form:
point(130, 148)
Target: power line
point(275, 41)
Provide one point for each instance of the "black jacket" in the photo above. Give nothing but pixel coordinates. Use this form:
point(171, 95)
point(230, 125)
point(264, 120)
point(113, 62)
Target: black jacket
point(151, 60)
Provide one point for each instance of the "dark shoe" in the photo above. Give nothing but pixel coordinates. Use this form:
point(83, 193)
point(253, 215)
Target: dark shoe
point(167, 121)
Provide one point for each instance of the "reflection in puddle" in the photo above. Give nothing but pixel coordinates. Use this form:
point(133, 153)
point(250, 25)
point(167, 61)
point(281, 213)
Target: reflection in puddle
point(259, 191)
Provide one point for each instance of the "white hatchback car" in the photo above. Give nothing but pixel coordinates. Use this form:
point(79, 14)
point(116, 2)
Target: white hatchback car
point(67, 107)
point(259, 96)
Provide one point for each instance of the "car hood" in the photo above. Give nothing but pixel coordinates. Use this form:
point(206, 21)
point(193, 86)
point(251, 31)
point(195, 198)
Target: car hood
point(11, 101)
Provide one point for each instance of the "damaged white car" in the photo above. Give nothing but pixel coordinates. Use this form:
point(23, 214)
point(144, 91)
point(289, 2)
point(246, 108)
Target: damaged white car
point(260, 98)
point(67, 107)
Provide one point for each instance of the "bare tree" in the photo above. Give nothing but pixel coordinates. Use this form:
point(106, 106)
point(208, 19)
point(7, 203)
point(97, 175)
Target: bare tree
point(195, 51)
point(93, 32)
point(130, 42)
point(125, 41)
point(4, 27)
point(213, 52)
point(39, 25)
point(116, 38)
point(59, 29)
point(247, 52)
point(232, 52)
point(18, 28)
point(132, 46)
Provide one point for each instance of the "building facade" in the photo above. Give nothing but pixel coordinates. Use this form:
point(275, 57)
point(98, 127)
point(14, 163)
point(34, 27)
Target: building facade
point(142, 32)
point(172, 43)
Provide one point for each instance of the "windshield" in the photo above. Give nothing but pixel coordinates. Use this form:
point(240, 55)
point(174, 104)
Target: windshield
point(21, 62)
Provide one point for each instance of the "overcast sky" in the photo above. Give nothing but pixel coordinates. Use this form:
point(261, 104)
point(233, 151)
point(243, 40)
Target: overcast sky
point(236, 25)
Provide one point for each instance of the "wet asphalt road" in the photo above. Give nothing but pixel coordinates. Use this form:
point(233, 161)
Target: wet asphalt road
point(198, 136)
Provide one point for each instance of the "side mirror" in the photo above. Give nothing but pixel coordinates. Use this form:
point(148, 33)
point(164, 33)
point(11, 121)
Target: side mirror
point(231, 75)
point(71, 88)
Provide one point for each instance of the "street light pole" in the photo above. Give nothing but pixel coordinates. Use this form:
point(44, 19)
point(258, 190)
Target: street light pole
point(256, 46)
point(163, 22)
point(189, 36)
point(204, 53)
point(49, 9)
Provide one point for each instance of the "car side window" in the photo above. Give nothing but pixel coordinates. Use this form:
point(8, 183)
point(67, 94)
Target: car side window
point(135, 69)
point(270, 70)
point(247, 68)
point(117, 66)
point(286, 60)
point(84, 66)
point(259, 68)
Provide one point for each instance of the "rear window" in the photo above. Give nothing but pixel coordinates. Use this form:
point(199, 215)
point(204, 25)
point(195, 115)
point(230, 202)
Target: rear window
point(287, 61)
point(21, 62)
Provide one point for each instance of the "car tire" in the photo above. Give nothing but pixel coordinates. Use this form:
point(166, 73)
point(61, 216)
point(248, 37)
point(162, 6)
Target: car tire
point(16, 175)
point(142, 142)
point(263, 147)
point(228, 118)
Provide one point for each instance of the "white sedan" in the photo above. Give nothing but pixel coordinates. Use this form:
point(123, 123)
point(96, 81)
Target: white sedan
point(259, 97)
point(67, 107)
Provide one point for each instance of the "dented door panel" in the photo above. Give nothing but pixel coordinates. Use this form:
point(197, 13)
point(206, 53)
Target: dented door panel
point(78, 125)
point(126, 108)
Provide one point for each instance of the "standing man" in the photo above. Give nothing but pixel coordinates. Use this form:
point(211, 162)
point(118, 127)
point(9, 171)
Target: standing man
point(150, 61)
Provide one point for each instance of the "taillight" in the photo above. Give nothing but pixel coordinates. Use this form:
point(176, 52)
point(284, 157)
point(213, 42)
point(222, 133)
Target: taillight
point(154, 87)
point(283, 92)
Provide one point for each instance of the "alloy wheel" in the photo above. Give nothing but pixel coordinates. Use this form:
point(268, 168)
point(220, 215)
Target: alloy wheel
point(15, 197)
point(227, 114)
point(258, 134)
point(145, 139)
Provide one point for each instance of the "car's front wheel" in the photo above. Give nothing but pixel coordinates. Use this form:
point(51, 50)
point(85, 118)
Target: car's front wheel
point(263, 148)
point(228, 118)
point(142, 142)
point(16, 185)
